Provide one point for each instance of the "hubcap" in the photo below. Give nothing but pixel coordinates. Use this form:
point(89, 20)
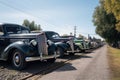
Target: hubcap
point(58, 51)
point(16, 59)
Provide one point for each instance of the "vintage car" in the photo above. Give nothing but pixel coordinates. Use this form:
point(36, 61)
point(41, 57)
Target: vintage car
point(80, 42)
point(18, 45)
point(64, 45)
point(83, 45)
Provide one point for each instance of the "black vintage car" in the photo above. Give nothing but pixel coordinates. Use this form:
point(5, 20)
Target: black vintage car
point(64, 45)
point(18, 45)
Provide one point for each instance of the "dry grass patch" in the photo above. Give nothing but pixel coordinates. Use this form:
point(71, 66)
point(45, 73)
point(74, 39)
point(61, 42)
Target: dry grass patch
point(114, 62)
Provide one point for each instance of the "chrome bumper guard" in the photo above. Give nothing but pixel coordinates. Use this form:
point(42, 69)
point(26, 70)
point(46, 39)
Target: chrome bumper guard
point(44, 57)
point(43, 47)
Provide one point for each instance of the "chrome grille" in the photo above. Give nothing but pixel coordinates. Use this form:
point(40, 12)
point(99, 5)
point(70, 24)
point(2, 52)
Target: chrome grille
point(71, 45)
point(42, 44)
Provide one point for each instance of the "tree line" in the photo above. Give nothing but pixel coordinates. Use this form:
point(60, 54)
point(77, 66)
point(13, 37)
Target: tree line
point(31, 25)
point(106, 18)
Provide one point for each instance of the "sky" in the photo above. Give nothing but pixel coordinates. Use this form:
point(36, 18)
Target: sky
point(55, 15)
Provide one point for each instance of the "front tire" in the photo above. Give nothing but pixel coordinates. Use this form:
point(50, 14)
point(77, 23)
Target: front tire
point(83, 51)
point(60, 51)
point(52, 60)
point(71, 54)
point(77, 49)
point(18, 60)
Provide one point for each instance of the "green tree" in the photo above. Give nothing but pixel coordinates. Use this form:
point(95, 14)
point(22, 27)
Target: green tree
point(80, 36)
point(105, 24)
point(39, 27)
point(26, 23)
point(31, 25)
point(113, 6)
point(65, 35)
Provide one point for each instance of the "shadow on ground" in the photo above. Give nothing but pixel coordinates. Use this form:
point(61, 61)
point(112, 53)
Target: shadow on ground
point(37, 66)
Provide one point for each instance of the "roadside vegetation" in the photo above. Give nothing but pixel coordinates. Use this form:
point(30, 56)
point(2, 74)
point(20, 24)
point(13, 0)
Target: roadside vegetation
point(106, 18)
point(114, 62)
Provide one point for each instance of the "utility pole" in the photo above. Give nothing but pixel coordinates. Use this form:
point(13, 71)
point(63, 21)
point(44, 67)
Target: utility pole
point(74, 31)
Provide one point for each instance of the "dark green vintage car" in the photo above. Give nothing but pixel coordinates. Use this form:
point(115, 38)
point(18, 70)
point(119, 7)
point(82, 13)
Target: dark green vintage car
point(80, 44)
point(18, 45)
point(65, 45)
point(83, 45)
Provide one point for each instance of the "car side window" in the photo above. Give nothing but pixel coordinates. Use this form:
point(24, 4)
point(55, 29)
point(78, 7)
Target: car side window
point(24, 30)
point(1, 31)
point(55, 36)
point(13, 29)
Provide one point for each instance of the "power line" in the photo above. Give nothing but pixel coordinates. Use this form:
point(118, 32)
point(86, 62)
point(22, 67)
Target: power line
point(20, 10)
point(15, 8)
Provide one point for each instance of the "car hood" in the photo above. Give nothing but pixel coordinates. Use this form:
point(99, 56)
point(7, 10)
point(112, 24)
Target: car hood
point(27, 35)
point(61, 39)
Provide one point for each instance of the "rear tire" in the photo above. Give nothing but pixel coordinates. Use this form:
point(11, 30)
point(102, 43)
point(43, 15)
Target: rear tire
point(18, 60)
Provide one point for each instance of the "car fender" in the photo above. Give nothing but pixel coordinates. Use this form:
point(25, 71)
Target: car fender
point(62, 45)
point(20, 45)
point(51, 47)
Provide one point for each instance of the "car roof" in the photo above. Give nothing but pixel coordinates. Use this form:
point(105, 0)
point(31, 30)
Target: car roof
point(12, 24)
point(8, 24)
point(42, 31)
point(49, 31)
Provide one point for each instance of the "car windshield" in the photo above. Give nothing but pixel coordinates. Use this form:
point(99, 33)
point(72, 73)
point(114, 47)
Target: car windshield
point(15, 29)
point(1, 31)
point(52, 35)
point(55, 36)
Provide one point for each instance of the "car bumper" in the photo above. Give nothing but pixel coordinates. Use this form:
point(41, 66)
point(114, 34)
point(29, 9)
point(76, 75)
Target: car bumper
point(43, 57)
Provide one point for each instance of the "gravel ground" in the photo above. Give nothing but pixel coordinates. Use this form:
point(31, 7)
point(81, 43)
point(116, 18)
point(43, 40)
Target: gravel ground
point(92, 66)
point(8, 73)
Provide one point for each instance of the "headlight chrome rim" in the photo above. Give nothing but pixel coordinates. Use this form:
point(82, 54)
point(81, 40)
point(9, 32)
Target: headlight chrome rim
point(33, 42)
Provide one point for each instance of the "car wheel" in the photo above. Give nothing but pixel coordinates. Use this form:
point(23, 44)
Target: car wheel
point(52, 60)
point(18, 60)
point(83, 50)
point(77, 48)
point(72, 54)
point(60, 51)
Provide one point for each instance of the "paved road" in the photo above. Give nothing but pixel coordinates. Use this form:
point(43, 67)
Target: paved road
point(93, 66)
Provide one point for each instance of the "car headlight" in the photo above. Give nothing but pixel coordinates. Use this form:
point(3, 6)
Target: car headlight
point(49, 42)
point(68, 42)
point(33, 42)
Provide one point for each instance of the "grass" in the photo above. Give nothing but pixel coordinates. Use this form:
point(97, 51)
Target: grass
point(114, 62)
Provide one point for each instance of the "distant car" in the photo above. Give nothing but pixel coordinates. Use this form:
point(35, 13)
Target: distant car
point(80, 42)
point(64, 45)
point(83, 45)
point(18, 45)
